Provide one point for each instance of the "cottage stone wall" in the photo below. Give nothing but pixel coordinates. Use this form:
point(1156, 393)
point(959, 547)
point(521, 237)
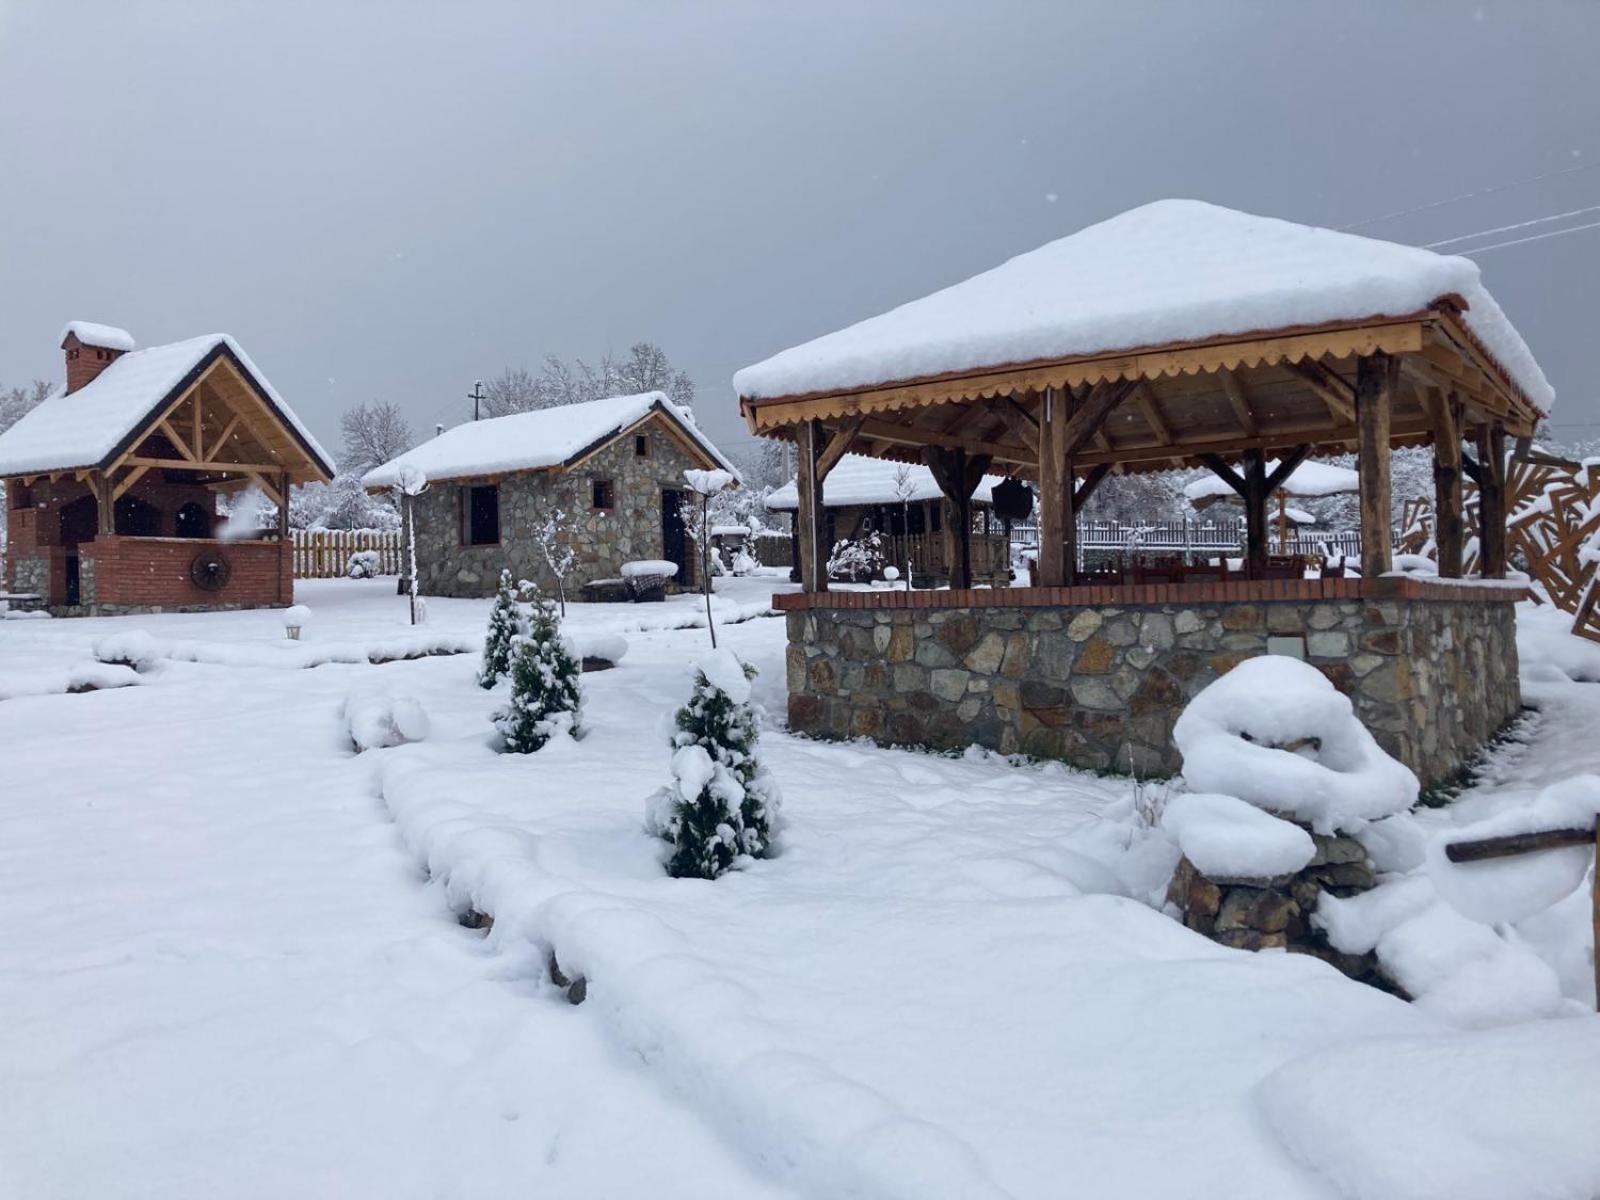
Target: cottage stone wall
point(603, 539)
point(1101, 686)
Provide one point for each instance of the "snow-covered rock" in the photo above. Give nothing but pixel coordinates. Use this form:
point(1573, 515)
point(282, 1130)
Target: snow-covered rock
point(1274, 731)
point(132, 648)
point(1225, 837)
point(610, 647)
point(380, 719)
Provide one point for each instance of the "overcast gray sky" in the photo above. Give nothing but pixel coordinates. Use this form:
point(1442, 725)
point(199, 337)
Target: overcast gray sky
point(388, 200)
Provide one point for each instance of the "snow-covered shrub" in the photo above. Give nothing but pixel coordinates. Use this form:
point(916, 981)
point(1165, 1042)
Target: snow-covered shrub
point(604, 647)
point(546, 695)
point(1275, 732)
point(721, 807)
point(857, 558)
point(1226, 838)
point(132, 648)
point(505, 622)
point(363, 564)
point(743, 563)
point(376, 720)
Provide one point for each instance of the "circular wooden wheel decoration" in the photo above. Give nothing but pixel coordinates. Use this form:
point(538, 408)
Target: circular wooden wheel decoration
point(210, 570)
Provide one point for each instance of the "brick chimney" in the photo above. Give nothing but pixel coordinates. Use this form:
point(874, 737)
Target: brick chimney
point(90, 349)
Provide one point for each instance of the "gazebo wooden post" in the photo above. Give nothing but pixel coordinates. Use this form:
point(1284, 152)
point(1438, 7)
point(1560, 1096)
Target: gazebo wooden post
point(1255, 514)
point(1447, 527)
point(958, 474)
point(1377, 376)
point(809, 508)
point(105, 503)
point(1491, 440)
point(1053, 495)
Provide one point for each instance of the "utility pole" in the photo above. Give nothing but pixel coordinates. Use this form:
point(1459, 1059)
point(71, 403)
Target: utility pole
point(477, 397)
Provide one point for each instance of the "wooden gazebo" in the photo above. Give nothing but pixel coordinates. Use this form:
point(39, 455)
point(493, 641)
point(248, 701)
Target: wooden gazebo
point(1178, 334)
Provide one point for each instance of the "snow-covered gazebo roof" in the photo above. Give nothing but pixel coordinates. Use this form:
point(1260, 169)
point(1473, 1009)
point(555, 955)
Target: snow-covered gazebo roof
point(861, 480)
point(543, 439)
point(90, 427)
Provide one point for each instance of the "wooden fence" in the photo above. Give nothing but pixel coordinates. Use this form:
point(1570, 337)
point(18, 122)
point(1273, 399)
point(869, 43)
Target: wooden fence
point(325, 553)
point(1193, 539)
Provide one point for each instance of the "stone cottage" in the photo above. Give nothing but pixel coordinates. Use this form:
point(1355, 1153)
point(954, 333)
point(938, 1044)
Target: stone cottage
point(613, 468)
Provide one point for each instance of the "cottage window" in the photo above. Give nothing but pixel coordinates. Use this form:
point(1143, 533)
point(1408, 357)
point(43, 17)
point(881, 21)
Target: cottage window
point(641, 445)
point(480, 515)
point(603, 494)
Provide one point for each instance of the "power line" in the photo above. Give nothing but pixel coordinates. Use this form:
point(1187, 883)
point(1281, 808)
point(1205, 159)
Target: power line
point(1488, 191)
point(1467, 237)
point(1537, 237)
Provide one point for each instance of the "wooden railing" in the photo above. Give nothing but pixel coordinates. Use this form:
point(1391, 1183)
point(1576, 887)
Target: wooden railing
point(925, 552)
point(1194, 539)
point(325, 553)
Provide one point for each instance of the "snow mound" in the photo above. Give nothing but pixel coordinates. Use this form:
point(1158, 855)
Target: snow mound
point(708, 483)
point(380, 719)
point(1481, 1116)
point(1504, 890)
point(92, 333)
point(131, 648)
point(648, 567)
point(1225, 837)
point(80, 677)
point(612, 647)
point(1273, 731)
point(725, 672)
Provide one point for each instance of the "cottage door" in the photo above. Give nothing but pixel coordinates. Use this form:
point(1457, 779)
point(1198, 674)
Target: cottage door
point(675, 545)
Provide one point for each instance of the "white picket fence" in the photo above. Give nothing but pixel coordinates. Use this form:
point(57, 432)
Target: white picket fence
point(325, 553)
point(1197, 538)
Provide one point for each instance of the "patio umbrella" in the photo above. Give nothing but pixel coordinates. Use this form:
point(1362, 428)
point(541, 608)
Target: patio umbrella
point(1307, 481)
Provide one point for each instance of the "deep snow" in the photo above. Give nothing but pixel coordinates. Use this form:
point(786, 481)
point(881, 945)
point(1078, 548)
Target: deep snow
point(229, 966)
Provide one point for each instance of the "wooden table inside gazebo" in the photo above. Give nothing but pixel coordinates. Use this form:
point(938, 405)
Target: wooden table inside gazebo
point(1287, 342)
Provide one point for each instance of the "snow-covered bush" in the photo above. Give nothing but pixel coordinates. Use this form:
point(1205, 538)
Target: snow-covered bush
point(546, 694)
point(856, 558)
point(505, 622)
point(132, 648)
point(376, 720)
point(363, 564)
point(721, 808)
point(1275, 732)
point(604, 647)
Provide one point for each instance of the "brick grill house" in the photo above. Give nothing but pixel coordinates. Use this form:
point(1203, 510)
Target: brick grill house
point(112, 482)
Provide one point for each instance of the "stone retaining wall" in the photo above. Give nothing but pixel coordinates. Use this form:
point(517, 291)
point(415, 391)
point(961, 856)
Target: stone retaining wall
point(1101, 685)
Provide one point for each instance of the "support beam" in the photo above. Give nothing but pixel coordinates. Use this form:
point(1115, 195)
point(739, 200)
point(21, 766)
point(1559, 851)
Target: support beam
point(1333, 391)
point(1081, 494)
point(958, 475)
point(1447, 524)
point(181, 464)
point(809, 514)
point(1052, 419)
point(1238, 401)
point(222, 439)
point(1377, 377)
point(128, 480)
point(1219, 467)
point(839, 444)
point(105, 503)
point(1146, 400)
point(1091, 413)
point(1492, 501)
point(1020, 422)
point(186, 451)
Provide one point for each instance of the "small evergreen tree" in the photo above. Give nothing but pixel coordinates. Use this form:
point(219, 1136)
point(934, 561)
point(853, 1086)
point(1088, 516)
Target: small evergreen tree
point(546, 696)
point(722, 805)
point(505, 621)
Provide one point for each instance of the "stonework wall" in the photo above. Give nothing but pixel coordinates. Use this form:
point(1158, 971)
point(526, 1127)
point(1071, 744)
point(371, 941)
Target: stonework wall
point(603, 539)
point(1101, 686)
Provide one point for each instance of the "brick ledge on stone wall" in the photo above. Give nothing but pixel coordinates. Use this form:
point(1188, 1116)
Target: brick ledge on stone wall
point(1237, 591)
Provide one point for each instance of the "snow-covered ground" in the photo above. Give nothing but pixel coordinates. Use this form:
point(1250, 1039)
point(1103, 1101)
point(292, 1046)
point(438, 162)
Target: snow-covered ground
point(229, 963)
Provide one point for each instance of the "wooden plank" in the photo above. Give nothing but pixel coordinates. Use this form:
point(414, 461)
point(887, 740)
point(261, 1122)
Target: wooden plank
point(1091, 481)
point(182, 464)
point(1377, 376)
point(222, 438)
point(1020, 422)
point(1327, 386)
point(1287, 465)
point(186, 451)
point(1051, 569)
point(838, 444)
point(128, 480)
point(1145, 399)
point(1238, 401)
point(1089, 415)
point(1492, 501)
point(1511, 844)
point(1219, 467)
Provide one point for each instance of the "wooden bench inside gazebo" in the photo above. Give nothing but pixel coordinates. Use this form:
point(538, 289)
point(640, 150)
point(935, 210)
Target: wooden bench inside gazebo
point(1297, 342)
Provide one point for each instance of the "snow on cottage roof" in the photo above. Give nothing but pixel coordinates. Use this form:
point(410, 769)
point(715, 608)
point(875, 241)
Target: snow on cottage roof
point(861, 480)
point(1308, 479)
point(532, 441)
point(92, 334)
point(1170, 272)
point(85, 428)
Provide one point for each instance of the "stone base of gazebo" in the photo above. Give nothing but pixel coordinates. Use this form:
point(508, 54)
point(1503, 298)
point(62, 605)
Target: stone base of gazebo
point(1096, 676)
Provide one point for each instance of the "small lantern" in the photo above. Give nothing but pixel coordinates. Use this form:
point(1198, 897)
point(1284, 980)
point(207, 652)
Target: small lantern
point(891, 573)
point(295, 618)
